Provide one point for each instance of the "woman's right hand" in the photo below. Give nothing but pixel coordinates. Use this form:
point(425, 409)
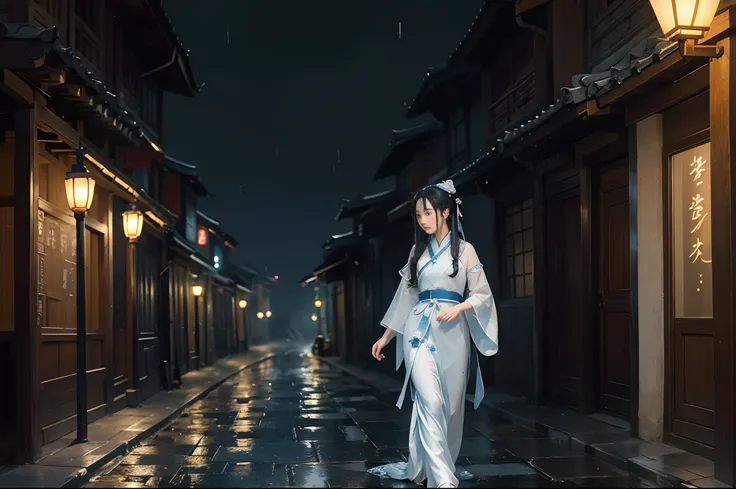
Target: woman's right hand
point(378, 346)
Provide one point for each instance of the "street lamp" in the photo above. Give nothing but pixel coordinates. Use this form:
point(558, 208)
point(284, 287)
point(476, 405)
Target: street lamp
point(242, 303)
point(80, 190)
point(685, 21)
point(319, 340)
point(132, 223)
point(132, 228)
point(259, 315)
point(197, 291)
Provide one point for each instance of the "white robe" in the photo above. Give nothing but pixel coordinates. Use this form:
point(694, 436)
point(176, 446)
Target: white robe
point(439, 362)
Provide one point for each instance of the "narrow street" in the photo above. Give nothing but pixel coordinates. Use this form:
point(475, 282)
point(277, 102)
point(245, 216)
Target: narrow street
point(293, 421)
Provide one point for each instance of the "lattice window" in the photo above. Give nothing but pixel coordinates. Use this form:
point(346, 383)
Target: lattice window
point(519, 250)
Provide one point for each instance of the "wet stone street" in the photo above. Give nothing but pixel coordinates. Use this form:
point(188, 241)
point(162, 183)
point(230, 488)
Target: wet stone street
point(293, 421)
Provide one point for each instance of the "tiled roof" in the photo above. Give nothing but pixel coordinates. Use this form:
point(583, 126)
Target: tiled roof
point(584, 87)
point(482, 11)
point(157, 7)
point(401, 140)
point(189, 171)
point(363, 202)
point(436, 75)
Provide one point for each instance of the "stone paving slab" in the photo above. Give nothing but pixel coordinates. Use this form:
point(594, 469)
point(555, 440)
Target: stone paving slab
point(320, 426)
point(575, 436)
point(64, 463)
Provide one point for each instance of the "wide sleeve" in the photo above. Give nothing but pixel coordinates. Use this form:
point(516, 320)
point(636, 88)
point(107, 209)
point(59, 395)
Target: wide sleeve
point(404, 301)
point(482, 318)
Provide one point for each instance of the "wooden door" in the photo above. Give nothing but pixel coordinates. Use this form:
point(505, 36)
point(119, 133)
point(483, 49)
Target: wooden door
point(148, 314)
point(178, 319)
point(57, 320)
point(339, 331)
point(121, 342)
point(614, 390)
point(564, 323)
point(690, 368)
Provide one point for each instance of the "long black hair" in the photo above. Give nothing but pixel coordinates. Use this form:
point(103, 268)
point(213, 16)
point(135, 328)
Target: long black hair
point(439, 200)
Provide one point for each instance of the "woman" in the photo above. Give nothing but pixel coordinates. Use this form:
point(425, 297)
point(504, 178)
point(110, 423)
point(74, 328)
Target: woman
point(434, 324)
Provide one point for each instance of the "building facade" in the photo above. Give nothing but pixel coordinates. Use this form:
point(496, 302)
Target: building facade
point(82, 81)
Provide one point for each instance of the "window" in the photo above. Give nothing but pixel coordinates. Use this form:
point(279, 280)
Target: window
point(690, 209)
point(519, 250)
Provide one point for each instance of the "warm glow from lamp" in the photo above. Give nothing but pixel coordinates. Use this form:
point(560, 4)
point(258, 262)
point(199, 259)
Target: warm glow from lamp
point(684, 19)
point(197, 290)
point(132, 224)
point(259, 315)
point(314, 317)
point(80, 187)
point(242, 303)
point(268, 314)
point(318, 303)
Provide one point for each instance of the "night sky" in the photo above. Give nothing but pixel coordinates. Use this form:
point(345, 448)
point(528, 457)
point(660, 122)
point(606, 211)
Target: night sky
point(288, 84)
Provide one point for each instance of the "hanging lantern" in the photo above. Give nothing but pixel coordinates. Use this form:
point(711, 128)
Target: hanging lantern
point(684, 19)
point(259, 315)
point(132, 224)
point(318, 303)
point(268, 314)
point(80, 186)
point(197, 290)
point(242, 303)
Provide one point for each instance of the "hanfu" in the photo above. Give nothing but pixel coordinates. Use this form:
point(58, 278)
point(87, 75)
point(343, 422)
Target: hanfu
point(439, 356)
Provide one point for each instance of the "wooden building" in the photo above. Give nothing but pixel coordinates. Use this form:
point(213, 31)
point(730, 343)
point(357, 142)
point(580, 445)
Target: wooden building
point(613, 202)
point(85, 79)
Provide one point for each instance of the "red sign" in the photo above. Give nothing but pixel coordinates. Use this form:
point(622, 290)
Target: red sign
point(201, 236)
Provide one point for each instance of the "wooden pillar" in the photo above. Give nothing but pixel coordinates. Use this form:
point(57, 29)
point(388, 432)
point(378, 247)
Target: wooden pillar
point(27, 330)
point(588, 401)
point(633, 283)
point(540, 289)
point(722, 117)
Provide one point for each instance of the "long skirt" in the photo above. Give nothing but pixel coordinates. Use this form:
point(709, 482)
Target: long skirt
point(438, 380)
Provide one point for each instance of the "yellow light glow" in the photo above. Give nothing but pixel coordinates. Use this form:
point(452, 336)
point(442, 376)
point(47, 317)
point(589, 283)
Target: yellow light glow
point(314, 317)
point(197, 290)
point(80, 190)
point(132, 224)
point(684, 19)
point(268, 314)
point(242, 303)
point(318, 303)
point(259, 315)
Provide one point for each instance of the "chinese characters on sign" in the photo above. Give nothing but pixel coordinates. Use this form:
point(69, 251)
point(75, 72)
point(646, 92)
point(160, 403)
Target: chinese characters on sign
point(698, 214)
point(691, 233)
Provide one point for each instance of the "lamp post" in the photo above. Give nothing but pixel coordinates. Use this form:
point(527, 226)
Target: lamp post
point(686, 21)
point(319, 340)
point(197, 291)
point(132, 229)
point(80, 190)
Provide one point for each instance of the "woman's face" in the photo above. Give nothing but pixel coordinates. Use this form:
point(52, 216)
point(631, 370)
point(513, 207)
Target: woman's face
point(427, 216)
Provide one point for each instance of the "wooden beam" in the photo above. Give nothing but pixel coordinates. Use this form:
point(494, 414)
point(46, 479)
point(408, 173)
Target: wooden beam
point(667, 95)
point(60, 127)
point(15, 88)
point(723, 138)
point(27, 329)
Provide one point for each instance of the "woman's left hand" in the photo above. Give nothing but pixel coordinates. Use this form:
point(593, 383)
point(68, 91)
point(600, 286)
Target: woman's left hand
point(448, 314)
